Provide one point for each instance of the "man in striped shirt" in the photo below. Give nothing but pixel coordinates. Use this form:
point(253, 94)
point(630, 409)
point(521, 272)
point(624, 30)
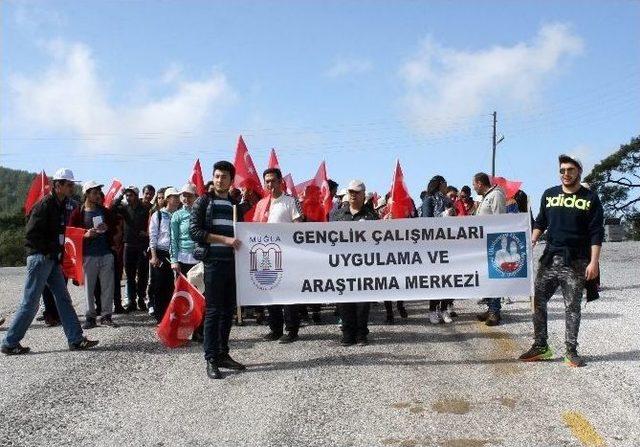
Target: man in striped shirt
point(211, 227)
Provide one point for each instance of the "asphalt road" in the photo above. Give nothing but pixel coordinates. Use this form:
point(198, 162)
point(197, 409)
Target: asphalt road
point(456, 385)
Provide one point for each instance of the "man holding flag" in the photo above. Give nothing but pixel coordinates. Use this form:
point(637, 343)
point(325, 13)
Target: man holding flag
point(44, 242)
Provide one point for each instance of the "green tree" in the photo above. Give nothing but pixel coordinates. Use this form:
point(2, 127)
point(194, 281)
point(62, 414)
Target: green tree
point(616, 179)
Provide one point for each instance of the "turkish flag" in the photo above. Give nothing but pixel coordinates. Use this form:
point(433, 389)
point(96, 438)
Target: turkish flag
point(72, 256)
point(246, 174)
point(40, 187)
point(184, 314)
point(400, 199)
point(290, 187)
point(197, 179)
point(312, 205)
point(321, 180)
point(273, 160)
point(509, 187)
point(114, 189)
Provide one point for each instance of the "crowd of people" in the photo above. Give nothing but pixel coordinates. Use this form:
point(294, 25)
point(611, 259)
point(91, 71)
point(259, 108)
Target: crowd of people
point(153, 236)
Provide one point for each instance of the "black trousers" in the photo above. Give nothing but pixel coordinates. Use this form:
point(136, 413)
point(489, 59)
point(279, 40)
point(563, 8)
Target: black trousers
point(220, 296)
point(136, 266)
point(287, 316)
point(50, 311)
point(355, 317)
point(161, 285)
point(388, 306)
point(440, 305)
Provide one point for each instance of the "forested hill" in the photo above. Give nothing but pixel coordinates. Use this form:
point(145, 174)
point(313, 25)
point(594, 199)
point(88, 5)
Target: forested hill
point(14, 185)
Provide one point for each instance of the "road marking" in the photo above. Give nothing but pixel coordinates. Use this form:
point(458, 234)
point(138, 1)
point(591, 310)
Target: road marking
point(582, 429)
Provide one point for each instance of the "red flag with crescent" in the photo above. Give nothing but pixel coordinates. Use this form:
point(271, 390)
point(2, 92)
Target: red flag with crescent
point(197, 179)
point(114, 189)
point(40, 187)
point(401, 205)
point(246, 174)
point(184, 314)
point(321, 180)
point(72, 256)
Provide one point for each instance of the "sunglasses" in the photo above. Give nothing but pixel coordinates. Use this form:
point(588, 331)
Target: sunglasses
point(567, 170)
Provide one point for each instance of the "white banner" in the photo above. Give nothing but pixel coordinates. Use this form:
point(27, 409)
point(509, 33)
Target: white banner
point(403, 259)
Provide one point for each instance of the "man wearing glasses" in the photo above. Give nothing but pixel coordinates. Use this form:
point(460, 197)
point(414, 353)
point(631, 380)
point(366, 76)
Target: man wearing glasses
point(45, 246)
point(573, 219)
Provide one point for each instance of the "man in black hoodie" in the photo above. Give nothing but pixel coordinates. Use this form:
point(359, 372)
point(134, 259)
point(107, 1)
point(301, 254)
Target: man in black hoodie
point(45, 246)
point(572, 217)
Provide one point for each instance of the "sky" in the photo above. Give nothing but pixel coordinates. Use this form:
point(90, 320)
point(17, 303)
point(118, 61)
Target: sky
point(138, 90)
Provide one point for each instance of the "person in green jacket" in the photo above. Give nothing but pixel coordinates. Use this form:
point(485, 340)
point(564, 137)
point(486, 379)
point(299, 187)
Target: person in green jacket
point(181, 249)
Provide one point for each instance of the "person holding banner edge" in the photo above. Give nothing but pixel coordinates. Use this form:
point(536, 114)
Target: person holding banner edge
point(45, 245)
point(355, 316)
point(278, 207)
point(572, 217)
point(211, 227)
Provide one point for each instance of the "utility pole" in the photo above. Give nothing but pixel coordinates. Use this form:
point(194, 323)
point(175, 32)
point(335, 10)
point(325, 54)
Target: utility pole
point(493, 157)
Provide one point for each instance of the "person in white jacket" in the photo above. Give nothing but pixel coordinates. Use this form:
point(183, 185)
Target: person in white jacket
point(493, 201)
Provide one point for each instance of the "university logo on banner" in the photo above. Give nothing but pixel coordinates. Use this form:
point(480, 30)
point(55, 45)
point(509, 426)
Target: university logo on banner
point(507, 255)
point(265, 264)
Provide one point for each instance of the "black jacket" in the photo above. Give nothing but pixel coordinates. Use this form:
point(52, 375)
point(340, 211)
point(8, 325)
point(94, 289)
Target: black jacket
point(45, 228)
point(136, 220)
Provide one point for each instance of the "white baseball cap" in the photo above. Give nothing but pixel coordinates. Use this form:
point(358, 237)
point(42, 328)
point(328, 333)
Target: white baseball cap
point(188, 188)
point(356, 185)
point(65, 174)
point(90, 185)
point(171, 191)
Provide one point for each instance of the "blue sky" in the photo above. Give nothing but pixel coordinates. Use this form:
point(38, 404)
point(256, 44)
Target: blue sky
point(139, 90)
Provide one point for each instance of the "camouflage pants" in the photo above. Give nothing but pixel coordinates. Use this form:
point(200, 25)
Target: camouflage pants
point(570, 279)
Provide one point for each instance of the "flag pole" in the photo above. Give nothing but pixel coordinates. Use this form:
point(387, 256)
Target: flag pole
point(238, 308)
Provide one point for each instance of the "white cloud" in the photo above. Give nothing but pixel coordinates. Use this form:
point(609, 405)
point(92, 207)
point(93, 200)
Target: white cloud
point(445, 87)
point(345, 67)
point(69, 96)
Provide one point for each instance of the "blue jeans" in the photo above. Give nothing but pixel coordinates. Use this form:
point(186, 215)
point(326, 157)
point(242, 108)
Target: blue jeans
point(494, 305)
point(43, 271)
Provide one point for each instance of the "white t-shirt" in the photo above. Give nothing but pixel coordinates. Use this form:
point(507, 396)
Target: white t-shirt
point(284, 209)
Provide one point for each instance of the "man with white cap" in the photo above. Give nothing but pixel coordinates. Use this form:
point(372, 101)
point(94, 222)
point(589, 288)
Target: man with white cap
point(98, 261)
point(161, 286)
point(45, 245)
point(355, 316)
point(572, 217)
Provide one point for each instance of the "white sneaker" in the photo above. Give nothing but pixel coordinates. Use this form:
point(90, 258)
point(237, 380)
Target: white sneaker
point(150, 310)
point(446, 317)
point(434, 317)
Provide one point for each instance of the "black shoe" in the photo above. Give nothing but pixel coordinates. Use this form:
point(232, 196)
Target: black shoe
point(40, 318)
point(225, 361)
point(260, 319)
point(51, 321)
point(89, 323)
point(289, 337)
point(212, 370)
point(347, 341)
point(272, 336)
point(362, 340)
point(493, 319)
point(141, 305)
point(572, 359)
point(453, 314)
point(119, 310)
point(316, 318)
point(197, 337)
point(403, 312)
point(537, 353)
point(131, 307)
point(107, 321)
point(83, 344)
point(2, 320)
point(483, 316)
point(390, 319)
point(17, 350)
